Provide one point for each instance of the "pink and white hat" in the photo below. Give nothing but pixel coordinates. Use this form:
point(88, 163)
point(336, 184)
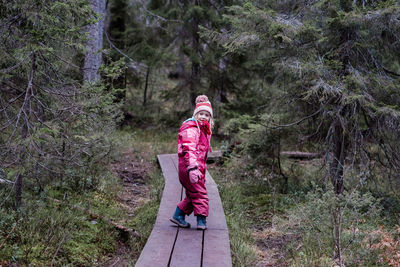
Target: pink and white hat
point(203, 104)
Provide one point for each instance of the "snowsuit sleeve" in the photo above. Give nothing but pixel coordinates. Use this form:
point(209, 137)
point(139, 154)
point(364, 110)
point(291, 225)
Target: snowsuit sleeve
point(187, 148)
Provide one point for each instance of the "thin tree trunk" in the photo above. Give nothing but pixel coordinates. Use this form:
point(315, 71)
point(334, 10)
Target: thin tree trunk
point(221, 88)
point(337, 218)
point(93, 57)
point(145, 86)
point(195, 74)
point(25, 113)
point(18, 190)
point(337, 163)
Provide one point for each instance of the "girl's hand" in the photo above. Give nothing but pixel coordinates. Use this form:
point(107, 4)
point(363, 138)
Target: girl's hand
point(194, 176)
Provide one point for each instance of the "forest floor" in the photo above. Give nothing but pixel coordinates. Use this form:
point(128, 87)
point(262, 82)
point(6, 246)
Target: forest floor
point(134, 173)
point(270, 247)
point(140, 185)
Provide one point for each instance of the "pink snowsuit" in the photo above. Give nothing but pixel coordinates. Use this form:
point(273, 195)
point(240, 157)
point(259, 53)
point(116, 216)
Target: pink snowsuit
point(193, 146)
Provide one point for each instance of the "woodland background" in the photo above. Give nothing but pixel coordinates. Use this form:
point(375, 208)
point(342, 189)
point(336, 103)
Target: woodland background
point(91, 91)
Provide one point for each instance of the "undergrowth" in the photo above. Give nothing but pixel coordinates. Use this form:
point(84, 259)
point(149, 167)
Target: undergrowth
point(57, 226)
point(300, 221)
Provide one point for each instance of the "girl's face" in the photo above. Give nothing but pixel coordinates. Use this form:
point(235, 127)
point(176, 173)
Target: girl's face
point(203, 116)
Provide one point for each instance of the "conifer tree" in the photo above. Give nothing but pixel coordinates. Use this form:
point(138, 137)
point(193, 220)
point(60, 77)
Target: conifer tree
point(335, 65)
point(53, 129)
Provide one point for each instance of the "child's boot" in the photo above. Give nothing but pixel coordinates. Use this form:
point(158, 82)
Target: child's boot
point(179, 218)
point(201, 222)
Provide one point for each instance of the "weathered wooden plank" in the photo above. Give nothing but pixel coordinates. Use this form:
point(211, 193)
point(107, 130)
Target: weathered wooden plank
point(171, 197)
point(158, 247)
point(168, 168)
point(216, 251)
point(188, 246)
point(216, 218)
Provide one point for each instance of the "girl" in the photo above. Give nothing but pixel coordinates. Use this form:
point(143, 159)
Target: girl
point(193, 146)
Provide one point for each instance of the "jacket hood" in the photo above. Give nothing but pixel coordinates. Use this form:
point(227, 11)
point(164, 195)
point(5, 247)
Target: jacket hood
point(188, 124)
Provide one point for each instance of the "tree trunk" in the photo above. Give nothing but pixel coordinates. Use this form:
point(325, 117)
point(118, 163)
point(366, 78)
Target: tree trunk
point(93, 57)
point(116, 18)
point(339, 153)
point(18, 190)
point(145, 86)
point(222, 98)
point(195, 74)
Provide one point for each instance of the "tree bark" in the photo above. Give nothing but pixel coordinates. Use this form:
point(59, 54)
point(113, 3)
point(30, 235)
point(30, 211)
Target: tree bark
point(146, 86)
point(339, 154)
point(195, 74)
point(93, 56)
point(222, 97)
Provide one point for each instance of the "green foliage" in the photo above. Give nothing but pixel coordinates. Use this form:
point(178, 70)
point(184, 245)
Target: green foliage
point(88, 245)
point(43, 232)
point(322, 213)
point(234, 125)
point(59, 132)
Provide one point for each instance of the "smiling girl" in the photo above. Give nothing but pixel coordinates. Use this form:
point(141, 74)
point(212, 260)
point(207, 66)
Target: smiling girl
point(193, 146)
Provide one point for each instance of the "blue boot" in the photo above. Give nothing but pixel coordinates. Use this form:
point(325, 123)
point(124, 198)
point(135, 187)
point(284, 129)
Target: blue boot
point(201, 222)
point(179, 218)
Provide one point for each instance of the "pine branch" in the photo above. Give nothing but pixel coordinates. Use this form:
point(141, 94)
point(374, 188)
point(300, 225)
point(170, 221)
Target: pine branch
point(276, 126)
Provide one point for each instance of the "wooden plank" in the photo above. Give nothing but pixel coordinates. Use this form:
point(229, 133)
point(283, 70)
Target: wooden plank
point(188, 246)
point(158, 247)
point(168, 168)
point(171, 193)
point(171, 197)
point(216, 251)
point(216, 219)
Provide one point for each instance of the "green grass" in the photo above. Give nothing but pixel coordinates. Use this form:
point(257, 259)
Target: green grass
point(146, 215)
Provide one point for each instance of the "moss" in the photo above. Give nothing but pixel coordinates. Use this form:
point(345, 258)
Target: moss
point(89, 243)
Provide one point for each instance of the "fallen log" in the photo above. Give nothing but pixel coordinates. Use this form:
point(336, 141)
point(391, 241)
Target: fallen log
point(124, 229)
point(214, 156)
point(300, 155)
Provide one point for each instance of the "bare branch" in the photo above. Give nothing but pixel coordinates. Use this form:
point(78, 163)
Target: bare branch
point(161, 18)
point(136, 65)
point(277, 126)
point(3, 181)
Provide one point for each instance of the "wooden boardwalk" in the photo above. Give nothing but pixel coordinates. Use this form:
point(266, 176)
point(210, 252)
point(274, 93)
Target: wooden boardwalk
point(169, 245)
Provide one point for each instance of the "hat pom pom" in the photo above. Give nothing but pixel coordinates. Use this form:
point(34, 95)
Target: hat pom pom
point(201, 99)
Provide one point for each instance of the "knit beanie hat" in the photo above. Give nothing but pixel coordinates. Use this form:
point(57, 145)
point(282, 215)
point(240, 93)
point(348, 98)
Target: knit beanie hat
point(203, 104)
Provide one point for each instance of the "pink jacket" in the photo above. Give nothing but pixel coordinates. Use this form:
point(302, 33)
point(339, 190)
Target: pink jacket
point(193, 146)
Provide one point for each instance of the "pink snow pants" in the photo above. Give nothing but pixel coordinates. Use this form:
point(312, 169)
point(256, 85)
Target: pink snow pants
point(196, 199)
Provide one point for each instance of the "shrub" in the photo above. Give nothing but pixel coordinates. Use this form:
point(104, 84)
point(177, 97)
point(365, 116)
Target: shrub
point(332, 224)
